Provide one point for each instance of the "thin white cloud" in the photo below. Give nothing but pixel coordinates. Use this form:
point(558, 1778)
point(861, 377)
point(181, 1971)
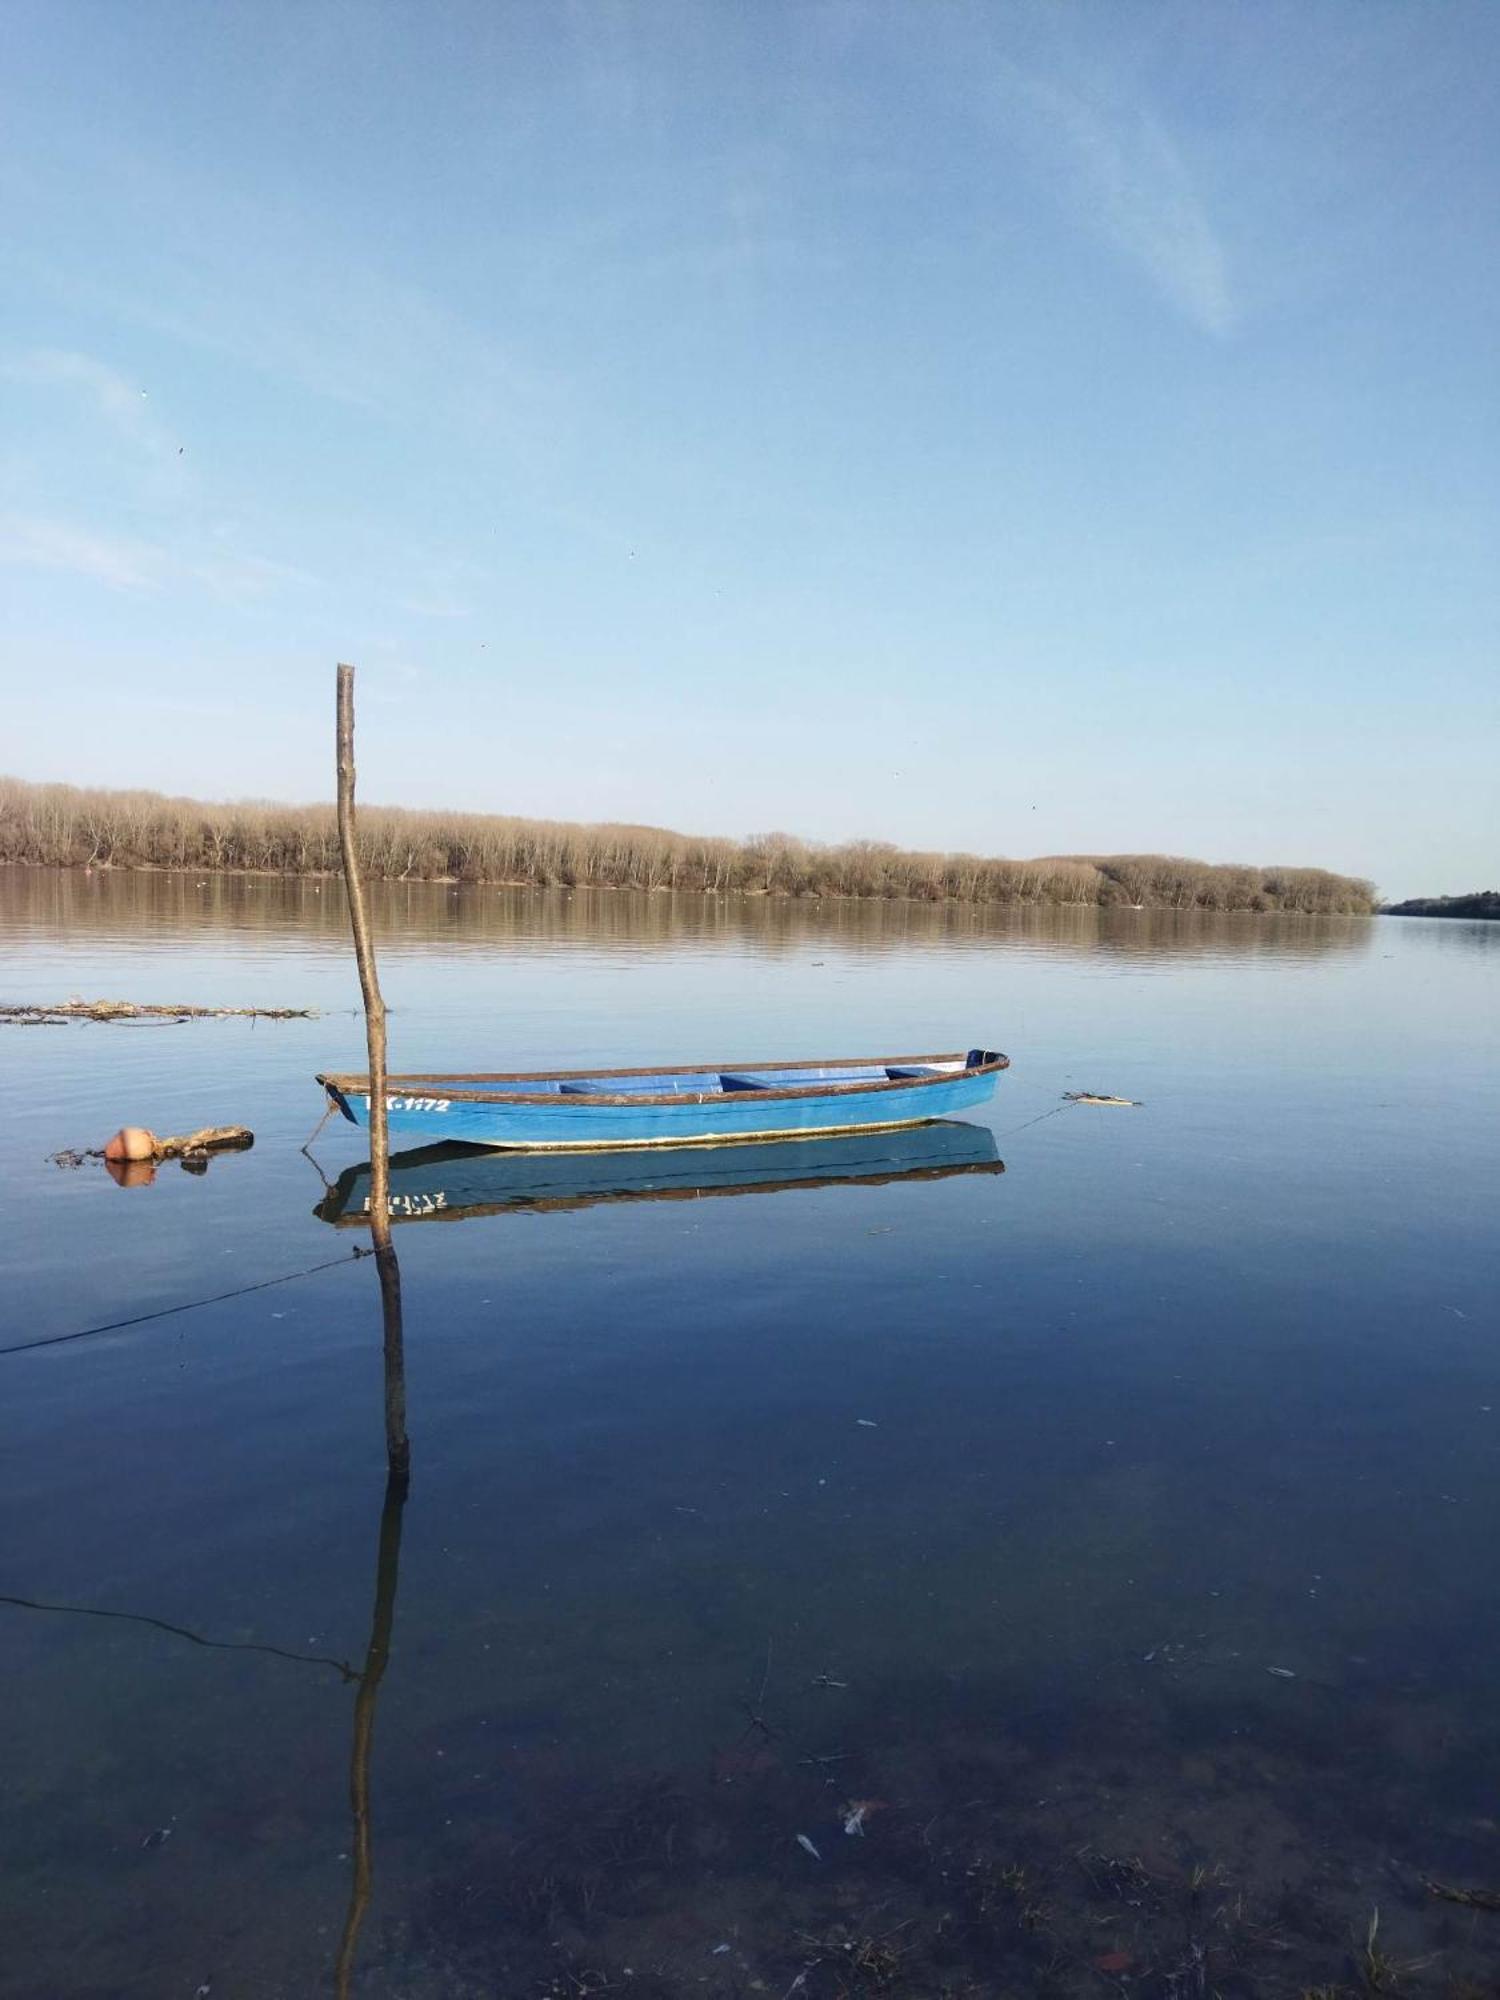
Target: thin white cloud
point(122, 562)
point(123, 404)
point(29, 543)
point(1119, 173)
point(236, 576)
point(342, 330)
point(177, 544)
point(433, 604)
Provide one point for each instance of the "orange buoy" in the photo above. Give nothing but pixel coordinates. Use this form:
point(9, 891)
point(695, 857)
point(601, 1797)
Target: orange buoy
point(132, 1142)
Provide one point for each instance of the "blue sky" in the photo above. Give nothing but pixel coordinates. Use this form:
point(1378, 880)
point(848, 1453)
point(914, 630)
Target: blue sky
point(1022, 429)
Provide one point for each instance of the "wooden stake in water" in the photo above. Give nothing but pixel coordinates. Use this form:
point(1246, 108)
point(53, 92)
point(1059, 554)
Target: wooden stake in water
point(398, 1451)
point(364, 953)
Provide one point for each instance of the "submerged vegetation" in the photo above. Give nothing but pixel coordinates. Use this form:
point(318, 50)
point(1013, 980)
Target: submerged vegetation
point(67, 826)
point(1006, 1860)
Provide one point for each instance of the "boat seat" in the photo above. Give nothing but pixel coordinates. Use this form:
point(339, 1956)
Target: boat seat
point(799, 1079)
point(903, 1075)
point(642, 1086)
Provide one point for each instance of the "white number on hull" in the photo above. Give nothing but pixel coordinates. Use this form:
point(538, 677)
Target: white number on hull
point(413, 1103)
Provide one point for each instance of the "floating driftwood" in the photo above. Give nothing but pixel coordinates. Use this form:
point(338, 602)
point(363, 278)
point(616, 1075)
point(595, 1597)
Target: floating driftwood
point(135, 1142)
point(1097, 1097)
point(134, 1153)
point(131, 1010)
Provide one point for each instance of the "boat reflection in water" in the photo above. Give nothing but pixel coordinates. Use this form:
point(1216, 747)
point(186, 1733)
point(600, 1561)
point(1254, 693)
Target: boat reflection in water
point(446, 1183)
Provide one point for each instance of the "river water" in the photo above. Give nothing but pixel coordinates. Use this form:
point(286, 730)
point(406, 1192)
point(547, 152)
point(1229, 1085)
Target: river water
point(1117, 1529)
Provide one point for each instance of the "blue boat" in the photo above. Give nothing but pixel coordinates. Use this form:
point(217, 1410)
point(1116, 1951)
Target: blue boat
point(455, 1183)
point(700, 1105)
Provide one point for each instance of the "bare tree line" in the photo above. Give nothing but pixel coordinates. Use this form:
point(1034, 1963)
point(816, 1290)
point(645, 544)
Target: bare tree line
point(68, 826)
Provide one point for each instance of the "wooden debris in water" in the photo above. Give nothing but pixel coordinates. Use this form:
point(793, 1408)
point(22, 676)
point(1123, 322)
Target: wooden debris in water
point(135, 1145)
point(1097, 1097)
point(131, 1010)
point(208, 1139)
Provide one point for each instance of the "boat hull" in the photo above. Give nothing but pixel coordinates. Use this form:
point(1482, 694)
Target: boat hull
point(576, 1111)
point(576, 1126)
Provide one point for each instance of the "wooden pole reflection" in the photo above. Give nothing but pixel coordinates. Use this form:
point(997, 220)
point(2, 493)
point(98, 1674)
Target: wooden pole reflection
point(377, 1655)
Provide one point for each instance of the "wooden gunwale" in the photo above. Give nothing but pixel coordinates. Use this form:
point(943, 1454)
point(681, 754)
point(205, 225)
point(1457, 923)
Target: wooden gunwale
point(348, 1084)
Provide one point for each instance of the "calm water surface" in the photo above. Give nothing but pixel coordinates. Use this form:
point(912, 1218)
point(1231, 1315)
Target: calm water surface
point(1122, 1524)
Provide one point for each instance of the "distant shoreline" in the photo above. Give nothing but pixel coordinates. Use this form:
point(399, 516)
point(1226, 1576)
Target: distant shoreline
point(1480, 903)
point(66, 826)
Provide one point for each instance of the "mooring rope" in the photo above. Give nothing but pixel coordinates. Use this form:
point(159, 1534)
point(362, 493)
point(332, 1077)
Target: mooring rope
point(189, 1305)
point(1011, 1130)
point(184, 1632)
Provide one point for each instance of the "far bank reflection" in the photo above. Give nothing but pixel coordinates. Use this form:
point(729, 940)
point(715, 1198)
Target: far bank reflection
point(484, 919)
